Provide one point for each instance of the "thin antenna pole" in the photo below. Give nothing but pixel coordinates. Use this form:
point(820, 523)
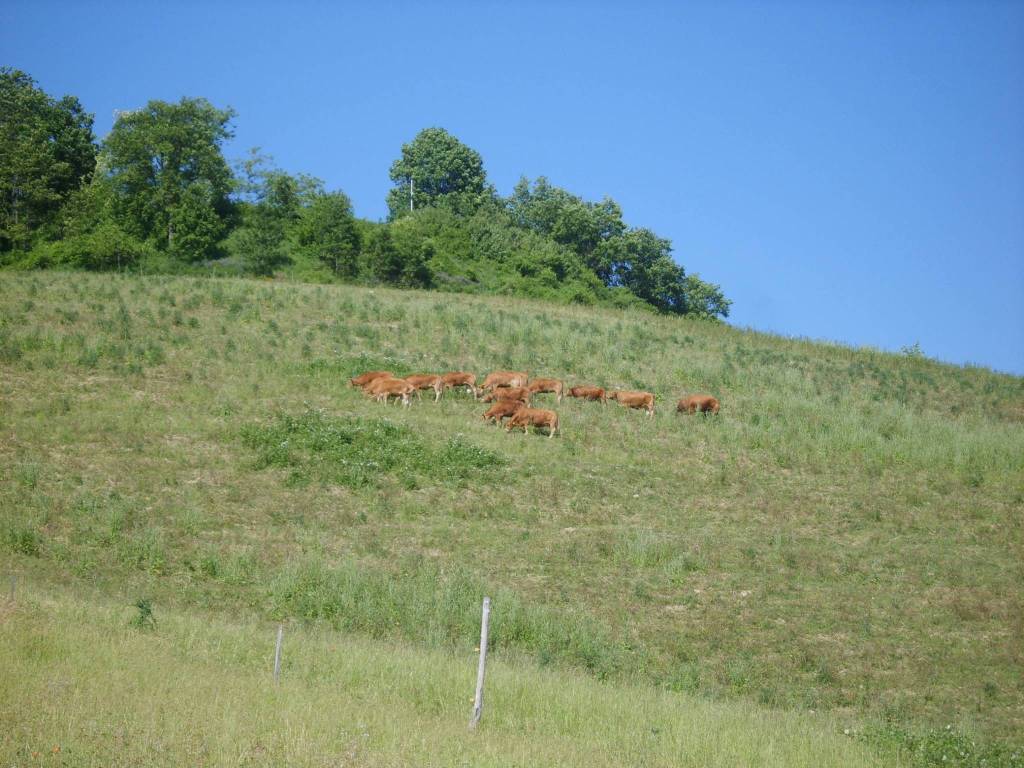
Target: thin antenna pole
point(410, 192)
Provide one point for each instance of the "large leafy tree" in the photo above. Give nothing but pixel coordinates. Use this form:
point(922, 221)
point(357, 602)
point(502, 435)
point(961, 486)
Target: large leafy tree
point(443, 172)
point(47, 151)
point(169, 175)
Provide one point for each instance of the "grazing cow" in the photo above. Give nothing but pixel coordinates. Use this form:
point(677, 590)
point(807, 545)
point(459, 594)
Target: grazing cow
point(589, 393)
point(547, 385)
point(365, 378)
point(505, 379)
point(534, 417)
point(460, 379)
point(698, 404)
point(508, 393)
point(502, 409)
point(382, 389)
point(426, 381)
point(636, 400)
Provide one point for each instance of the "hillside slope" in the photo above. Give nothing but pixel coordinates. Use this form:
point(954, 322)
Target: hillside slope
point(201, 692)
point(845, 536)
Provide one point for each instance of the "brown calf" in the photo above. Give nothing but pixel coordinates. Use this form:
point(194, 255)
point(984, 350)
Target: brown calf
point(547, 385)
point(460, 379)
point(698, 404)
point(502, 409)
point(505, 379)
point(365, 378)
point(638, 400)
point(534, 417)
point(382, 389)
point(589, 393)
point(426, 381)
point(508, 393)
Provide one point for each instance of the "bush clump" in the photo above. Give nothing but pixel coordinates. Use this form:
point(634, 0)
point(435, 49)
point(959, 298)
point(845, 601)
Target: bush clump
point(357, 452)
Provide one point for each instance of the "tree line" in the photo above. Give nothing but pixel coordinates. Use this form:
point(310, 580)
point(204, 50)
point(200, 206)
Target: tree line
point(157, 194)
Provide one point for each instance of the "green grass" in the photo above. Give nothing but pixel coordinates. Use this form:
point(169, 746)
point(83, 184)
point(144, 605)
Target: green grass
point(844, 537)
point(202, 692)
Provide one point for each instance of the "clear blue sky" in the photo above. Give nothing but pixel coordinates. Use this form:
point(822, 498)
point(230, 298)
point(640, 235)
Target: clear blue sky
point(847, 171)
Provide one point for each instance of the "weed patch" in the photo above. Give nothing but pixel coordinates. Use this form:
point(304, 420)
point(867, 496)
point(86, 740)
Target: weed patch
point(943, 747)
point(358, 452)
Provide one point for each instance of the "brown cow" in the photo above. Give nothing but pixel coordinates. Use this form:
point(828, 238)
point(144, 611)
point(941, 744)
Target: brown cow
point(637, 400)
point(365, 378)
point(502, 409)
point(382, 389)
point(426, 381)
point(505, 379)
point(534, 417)
point(698, 404)
point(589, 393)
point(508, 393)
point(547, 385)
point(460, 379)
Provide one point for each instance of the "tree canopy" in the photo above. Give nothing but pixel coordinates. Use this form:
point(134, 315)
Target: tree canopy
point(47, 151)
point(170, 179)
point(159, 194)
point(443, 171)
point(327, 231)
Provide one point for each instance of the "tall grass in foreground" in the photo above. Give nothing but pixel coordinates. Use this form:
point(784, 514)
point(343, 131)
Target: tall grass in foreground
point(443, 611)
point(80, 687)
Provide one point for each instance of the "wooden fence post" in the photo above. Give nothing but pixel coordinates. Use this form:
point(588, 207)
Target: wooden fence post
point(277, 653)
point(478, 702)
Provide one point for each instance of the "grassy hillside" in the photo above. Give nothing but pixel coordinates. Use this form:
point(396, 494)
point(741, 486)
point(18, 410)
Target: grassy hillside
point(201, 692)
point(845, 536)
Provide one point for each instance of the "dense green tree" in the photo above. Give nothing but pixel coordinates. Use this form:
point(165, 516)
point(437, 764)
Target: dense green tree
point(443, 171)
point(327, 231)
point(566, 218)
point(260, 241)
point(705, 300)
point(271, 204)
point(85, 234)
point(642, 262)
point(169, 175)
point(196, 222)
point(398, 254)
point(46, 152)
point(634, 259)
point(105, 247)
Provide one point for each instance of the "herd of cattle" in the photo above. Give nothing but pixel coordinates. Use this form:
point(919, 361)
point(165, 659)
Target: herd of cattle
point(510, 393)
